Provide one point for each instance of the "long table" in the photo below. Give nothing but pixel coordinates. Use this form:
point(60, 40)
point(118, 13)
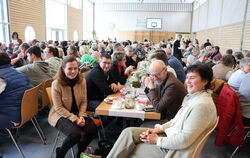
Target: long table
point(106, 110)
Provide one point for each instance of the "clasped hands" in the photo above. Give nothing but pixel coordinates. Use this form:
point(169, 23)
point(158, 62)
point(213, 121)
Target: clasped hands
point(149, 136)
point(116, 87)
point(80, 121)
point(149, 82)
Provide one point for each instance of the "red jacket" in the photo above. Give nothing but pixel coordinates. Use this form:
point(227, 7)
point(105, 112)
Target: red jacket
point(230, 127)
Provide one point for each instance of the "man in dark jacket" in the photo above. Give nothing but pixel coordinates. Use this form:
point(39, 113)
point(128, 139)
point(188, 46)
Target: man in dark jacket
point(99, 83)
point(164, 90)
point(177, 51)
point(12, 87)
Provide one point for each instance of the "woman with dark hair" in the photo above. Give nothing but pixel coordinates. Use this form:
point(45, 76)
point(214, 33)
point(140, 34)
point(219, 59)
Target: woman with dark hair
point(12, 87)
point(73, 51)
point(68, 113)
point(118, 71)
point(15, 39)
point(180, 136)
point(51, 56)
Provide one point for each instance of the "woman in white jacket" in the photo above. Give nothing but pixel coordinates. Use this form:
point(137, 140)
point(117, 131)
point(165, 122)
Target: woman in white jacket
point(178, 137)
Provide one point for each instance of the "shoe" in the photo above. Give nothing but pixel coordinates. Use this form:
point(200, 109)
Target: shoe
point(58, 153)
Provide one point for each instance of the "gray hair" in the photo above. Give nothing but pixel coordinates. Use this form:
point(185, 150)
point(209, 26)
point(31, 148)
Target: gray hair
point(244, 61)
point(209, 48)
point(117, 57)
point(94, 46)
point(128, 48)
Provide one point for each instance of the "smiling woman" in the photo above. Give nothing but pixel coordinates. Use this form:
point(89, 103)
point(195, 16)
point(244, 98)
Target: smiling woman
point(180, 136)
point(68, 113)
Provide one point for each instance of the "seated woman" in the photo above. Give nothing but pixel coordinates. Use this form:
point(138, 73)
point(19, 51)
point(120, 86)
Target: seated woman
point(178, 137)
point(68, 113)
point(119, 73)
point(131, 58)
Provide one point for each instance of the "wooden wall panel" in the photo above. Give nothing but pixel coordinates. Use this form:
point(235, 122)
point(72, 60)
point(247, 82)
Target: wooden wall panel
point(227, 37)
point(27, 12)
point(75, 22)
point(246, 44)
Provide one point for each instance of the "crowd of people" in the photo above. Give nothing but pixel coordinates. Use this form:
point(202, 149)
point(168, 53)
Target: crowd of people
point(178, 89)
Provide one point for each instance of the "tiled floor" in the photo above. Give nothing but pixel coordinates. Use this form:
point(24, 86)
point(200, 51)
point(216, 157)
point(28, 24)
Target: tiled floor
point(33, 147)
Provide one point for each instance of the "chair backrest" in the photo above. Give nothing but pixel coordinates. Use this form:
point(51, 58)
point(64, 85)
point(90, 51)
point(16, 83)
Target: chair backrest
point(48, 90)
point(201, 144)
point(29, 105)
point(45, 98)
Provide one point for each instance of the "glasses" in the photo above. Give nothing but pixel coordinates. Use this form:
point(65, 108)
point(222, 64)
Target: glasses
point(157, 74)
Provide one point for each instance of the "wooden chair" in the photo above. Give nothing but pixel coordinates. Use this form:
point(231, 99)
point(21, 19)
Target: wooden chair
point(97, 122)
point(45, 98)
point(29, 109)
point(246, 136)
point(201, 144)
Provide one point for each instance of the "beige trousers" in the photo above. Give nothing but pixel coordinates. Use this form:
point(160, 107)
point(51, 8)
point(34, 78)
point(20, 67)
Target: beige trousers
point(128, 145)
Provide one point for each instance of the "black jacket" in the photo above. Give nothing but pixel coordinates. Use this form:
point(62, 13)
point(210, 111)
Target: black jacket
point(118, 76)
point(98, 84)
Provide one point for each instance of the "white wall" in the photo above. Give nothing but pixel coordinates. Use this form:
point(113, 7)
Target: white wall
point(216, 13)
point(131, 17)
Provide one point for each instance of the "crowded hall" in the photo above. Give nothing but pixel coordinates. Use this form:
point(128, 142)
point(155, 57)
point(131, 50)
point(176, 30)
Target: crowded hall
point(124, 79)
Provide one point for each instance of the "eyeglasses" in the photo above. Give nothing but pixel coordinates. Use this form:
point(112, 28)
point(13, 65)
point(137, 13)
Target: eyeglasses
point(157, 74)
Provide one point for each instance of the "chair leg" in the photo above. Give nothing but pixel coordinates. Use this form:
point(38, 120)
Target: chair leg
point(239, 146)
point(13, 139)
point(54, 146)
point(38, 131)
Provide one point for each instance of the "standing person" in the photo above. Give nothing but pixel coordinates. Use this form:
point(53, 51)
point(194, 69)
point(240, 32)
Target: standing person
point(12, 87)
point(207, 43)
point(180, 136)
point(15, 39)
point(68, 114)
point(177, 51)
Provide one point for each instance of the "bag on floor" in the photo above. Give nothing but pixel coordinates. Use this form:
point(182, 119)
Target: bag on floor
point(104, 148)
point(85, 155)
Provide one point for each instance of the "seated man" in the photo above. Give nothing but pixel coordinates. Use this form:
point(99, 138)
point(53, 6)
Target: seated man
point(38, 71)
point(99, 83)
point(235, 79)
point(161, 55)
point(180, 136)
point(244, 97)
point(164, 90)
point(176, 65)
point(12, 87)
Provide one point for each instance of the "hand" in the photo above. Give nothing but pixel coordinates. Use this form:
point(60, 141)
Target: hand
point(114, 87)
point(152, 138)
point(20, 55)
point(80, 121)
point(144, 135)
point(129, 69)
point(149, 82)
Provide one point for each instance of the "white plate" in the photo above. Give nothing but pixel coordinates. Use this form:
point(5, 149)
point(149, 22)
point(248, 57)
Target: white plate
point(110, 99)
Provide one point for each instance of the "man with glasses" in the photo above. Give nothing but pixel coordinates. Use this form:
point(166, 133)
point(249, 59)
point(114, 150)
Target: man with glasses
point(164, 90)
point(99, 83)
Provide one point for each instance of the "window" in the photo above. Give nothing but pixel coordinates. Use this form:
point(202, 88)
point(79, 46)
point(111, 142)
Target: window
point(199, 3)
point(88, 16)
point(4, 22)
point(75, 36)
point(29, 33)
point(56, 19)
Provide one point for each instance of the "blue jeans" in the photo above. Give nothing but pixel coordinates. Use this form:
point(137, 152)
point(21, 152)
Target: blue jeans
point(6, 122)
